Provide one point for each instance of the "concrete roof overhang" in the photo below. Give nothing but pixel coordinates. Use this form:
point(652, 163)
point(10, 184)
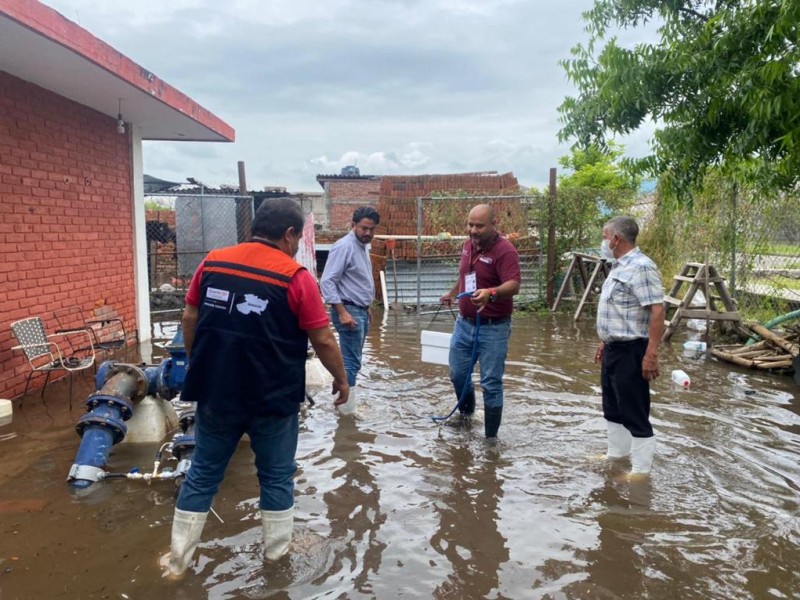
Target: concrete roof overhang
point(39, 45)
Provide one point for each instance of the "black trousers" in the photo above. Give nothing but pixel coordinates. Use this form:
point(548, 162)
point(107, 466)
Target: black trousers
point(626, 394)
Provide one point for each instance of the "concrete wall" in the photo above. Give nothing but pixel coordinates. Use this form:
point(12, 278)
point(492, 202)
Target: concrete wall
point(66, 233)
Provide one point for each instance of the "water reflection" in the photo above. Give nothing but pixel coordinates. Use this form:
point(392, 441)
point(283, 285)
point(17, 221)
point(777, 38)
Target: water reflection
point(467, 535)
point(390, 505)
point(616, 567)
point(353, 507)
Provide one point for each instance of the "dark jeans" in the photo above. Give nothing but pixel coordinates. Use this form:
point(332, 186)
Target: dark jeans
point(273, 441)
point(626, 394)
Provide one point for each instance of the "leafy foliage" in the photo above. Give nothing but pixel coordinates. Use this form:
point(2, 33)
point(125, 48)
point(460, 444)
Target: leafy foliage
point(596, 187)
point(721, 84)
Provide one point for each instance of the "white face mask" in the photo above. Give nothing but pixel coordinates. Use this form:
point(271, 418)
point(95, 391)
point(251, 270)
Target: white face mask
point(606, 251)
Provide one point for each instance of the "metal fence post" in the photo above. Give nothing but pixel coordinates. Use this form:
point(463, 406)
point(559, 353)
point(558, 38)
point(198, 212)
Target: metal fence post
point(551, 239)
point(419, 254)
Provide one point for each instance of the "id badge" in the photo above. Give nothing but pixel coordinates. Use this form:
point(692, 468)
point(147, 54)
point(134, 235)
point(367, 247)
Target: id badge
point(470, 282)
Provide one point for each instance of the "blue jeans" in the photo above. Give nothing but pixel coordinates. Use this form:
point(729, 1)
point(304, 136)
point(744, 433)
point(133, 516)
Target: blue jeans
point(492, 350)
point(273, 441)
point(351, 341)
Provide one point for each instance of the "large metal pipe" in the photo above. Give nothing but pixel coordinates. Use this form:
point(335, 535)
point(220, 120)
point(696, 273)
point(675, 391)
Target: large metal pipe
point(104, 423)
point(119, 387)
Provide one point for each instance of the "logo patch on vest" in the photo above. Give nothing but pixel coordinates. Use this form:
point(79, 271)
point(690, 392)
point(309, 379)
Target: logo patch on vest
point(216, 294)
point(252, 304)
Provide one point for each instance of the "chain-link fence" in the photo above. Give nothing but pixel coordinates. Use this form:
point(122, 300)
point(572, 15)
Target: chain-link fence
point(189, 227)
point(421, 252)
point(751, 238)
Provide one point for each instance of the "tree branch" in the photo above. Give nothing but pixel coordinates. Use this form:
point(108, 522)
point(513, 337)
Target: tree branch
point(690, 11)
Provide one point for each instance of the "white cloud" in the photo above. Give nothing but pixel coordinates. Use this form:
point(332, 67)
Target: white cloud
point(396, 86)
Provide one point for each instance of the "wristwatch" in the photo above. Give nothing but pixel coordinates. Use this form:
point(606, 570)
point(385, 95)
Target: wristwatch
point(492, 294)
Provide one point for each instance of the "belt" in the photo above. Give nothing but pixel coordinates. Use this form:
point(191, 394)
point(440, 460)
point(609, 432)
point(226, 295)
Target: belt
point(487, 320)
point(348, 303)
point(623, 343)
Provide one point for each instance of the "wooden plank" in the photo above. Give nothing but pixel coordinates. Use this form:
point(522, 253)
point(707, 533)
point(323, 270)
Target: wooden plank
point(700, 278)
point(793, 349)
point(587, 292)
point(565, 282)
point(672, 324)
point(581, 264)
point(715, 316)
point(671, 300)
point(679, 279)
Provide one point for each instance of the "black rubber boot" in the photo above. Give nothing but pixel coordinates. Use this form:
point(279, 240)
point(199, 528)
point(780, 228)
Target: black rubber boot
point(492, 419)
point(467, 407)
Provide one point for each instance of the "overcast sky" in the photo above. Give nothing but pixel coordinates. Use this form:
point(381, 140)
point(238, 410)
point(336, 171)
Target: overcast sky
point(394, 86)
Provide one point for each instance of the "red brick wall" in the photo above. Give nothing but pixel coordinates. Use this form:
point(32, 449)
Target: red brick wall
point(398, 209)
point(346, 195)
point(65, 215)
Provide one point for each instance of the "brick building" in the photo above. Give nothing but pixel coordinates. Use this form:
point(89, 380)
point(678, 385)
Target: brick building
point(343, 194)
point(395, 198)
point(73, 114)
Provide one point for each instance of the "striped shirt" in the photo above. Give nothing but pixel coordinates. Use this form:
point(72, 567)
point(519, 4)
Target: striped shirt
point(632, 286)
point(348, 273)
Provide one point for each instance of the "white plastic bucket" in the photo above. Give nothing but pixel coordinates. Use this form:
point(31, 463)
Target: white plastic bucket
point(435, 347)
point(6, 412)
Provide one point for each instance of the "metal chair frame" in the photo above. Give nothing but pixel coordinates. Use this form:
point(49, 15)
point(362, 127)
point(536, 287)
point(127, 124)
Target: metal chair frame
point(45, 355)
point(68, 318)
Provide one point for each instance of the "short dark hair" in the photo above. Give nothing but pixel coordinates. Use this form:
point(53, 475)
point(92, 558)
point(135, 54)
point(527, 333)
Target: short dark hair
point(275, 216)
point(625, 227)
point(366, 212)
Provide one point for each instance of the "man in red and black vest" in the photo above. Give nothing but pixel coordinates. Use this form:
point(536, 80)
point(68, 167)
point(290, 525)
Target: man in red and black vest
point(250, 313)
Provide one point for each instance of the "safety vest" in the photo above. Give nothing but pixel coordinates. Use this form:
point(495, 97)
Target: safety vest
point(249, 352)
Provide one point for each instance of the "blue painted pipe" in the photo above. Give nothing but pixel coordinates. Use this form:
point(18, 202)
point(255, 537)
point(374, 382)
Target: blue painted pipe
point(119, 386)
point(104, 423)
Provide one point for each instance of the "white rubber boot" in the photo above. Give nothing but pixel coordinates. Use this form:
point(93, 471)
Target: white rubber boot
point(277, 525)
point(642, 455)
point(349, 407)
point(619, 440)
point(186, 530)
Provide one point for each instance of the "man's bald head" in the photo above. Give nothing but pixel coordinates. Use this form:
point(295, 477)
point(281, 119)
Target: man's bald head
point(481, 225)
point(483, 211)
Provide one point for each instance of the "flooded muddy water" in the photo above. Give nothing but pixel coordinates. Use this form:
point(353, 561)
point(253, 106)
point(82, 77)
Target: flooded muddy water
point(393, 505)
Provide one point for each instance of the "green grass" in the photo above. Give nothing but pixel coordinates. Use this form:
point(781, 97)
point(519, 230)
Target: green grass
point(784, 249)
point(778, 282)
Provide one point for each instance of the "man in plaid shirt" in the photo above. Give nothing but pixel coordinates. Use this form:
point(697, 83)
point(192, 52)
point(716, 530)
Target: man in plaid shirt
point(630, 324)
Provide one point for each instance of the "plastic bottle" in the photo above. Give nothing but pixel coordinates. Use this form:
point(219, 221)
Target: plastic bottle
point(681, 378)
point(694, 346)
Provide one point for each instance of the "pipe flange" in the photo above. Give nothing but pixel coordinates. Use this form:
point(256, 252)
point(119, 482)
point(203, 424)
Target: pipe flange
point(117, 427)
point(162, 385)
point(104, 372)
point(182, 445)
point(186, 420)
point(86, 473)
point(135, 371)
point(124, 405)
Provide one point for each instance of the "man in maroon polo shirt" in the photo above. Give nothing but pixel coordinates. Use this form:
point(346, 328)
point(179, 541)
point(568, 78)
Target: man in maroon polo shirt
point(489, 271)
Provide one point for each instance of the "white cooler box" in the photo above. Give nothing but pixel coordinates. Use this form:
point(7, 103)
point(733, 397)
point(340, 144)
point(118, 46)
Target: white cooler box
point(435, 347)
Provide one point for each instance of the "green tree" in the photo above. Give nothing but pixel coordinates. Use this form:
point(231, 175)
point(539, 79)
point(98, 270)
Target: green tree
point(721, 84)
point(595, 186)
